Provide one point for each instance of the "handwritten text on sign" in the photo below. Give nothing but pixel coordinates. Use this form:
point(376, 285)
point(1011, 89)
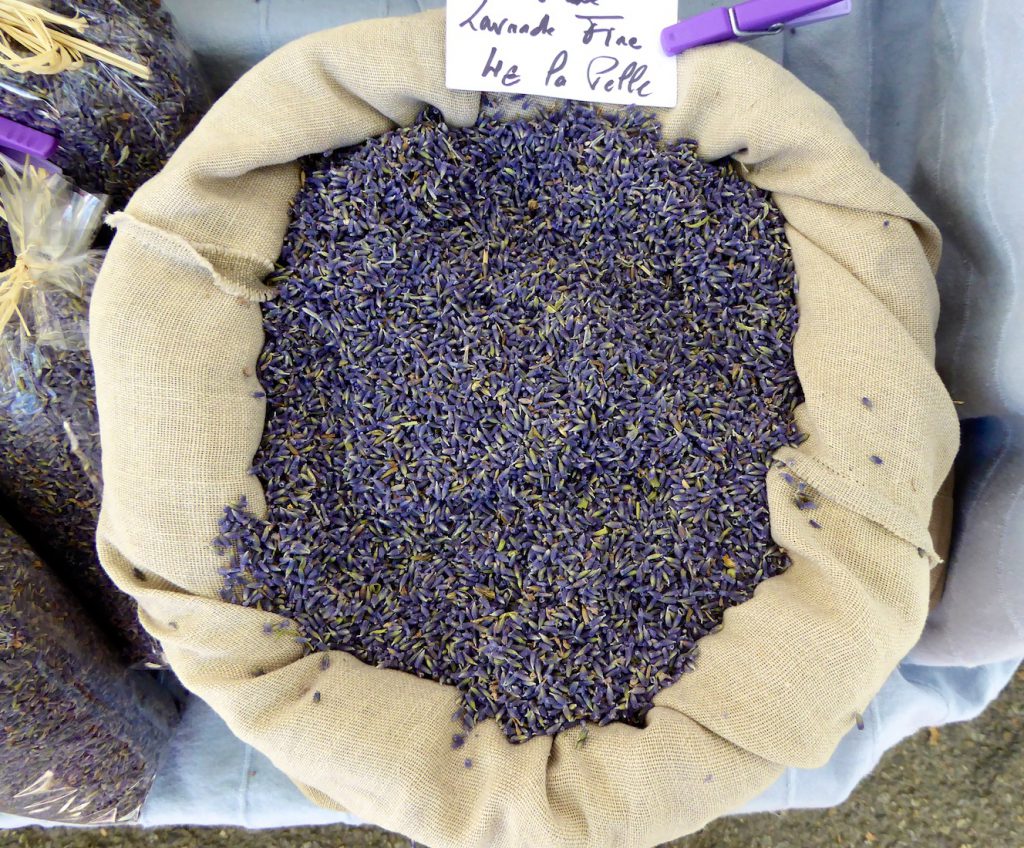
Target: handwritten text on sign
point(607, 51)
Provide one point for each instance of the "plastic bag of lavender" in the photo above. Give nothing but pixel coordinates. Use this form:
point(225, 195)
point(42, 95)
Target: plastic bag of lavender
point(49, 435)
point(363, 621)
point(81, 737)
point(118, 114)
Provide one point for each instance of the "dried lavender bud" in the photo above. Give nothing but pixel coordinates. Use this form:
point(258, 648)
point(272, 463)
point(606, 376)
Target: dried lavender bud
point(867, 402)
point(316, 697)
point(876, 459)
point(814, 524)
point(81, 736)
point(325, 663)
point(521, 452)
point(584, 736)
point(458, 740)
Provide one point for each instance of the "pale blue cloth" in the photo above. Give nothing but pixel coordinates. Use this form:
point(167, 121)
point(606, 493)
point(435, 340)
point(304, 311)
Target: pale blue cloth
point(914, 697)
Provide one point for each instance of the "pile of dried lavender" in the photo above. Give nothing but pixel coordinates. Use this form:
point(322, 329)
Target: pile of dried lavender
point(524, 381)
point(115, 130)
point(80, 739)
point(49, 488)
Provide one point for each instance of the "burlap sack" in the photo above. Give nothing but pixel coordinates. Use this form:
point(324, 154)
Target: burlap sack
point(176, 332)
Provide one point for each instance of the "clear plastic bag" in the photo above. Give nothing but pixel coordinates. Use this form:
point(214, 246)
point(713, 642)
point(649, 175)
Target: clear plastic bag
point(44, 296)
point(116, 129)
point(80, 736)
point(49, 433)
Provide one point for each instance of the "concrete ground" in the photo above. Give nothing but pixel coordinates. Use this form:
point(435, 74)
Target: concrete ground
point(958, 787)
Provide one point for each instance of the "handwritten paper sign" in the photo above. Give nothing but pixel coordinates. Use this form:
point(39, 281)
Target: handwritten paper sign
point(608, 51)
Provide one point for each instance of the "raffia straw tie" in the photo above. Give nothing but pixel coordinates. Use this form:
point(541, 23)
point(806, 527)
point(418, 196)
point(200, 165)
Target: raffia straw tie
point(14, 282)
point(31, 42)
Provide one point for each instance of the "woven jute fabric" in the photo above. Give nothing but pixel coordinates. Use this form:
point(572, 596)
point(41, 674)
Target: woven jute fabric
point(176, 330)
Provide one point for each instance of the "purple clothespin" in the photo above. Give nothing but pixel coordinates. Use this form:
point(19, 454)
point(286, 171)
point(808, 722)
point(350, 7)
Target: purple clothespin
point(19, 139)
point(23, 144)
point(749, 20)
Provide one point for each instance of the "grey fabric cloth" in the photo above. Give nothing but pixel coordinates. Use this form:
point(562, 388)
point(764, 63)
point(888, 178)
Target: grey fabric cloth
point(230, 36)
